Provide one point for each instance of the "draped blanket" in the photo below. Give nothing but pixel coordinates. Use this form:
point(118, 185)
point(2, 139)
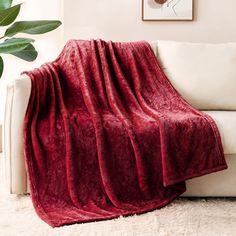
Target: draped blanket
point(106, 134)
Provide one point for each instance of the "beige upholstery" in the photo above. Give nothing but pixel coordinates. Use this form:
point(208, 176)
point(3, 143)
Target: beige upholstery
point(204, 74)
point(0, 137)
point(226, 123)
point(18, 93)
point(218, 184)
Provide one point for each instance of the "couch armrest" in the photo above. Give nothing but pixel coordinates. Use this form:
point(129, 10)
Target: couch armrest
point(0, 137)
point(17, 97)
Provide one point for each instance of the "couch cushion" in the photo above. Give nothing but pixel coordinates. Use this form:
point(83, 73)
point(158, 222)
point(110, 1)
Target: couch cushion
point(204, 74)
point(226, 123)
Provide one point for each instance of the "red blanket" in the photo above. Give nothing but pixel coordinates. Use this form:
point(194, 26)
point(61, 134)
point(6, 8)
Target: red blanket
point(106, 135)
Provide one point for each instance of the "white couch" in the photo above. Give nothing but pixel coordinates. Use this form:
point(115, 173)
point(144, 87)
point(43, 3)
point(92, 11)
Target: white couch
point(204, 74)
point(0, 137)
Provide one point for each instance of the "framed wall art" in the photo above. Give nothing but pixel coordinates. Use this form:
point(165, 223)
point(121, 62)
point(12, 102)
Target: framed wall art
point(153, 10)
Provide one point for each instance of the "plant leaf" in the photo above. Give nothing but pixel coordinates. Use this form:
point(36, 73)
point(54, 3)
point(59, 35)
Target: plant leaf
point(7, 16)
point(14, 45)
point(32, 27)
point(4, 4)
point(1, 66)
point(27, 54)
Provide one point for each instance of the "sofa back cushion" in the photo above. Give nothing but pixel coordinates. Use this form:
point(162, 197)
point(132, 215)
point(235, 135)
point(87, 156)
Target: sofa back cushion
point(204, 74)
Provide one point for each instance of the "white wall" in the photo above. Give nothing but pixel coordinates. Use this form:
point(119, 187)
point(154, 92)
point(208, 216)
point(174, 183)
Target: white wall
point(121, 20)
point(48, 45)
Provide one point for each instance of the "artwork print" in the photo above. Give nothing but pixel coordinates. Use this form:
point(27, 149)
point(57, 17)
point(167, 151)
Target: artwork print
point(167, 9)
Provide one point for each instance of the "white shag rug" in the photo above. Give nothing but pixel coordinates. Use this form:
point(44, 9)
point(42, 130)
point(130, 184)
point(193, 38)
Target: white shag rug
point(198, 217)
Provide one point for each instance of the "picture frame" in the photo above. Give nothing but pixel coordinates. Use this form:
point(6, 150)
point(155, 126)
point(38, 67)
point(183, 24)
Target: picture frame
point(167, 10)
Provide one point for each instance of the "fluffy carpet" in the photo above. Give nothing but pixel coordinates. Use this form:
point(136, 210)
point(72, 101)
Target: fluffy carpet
point(198, 217)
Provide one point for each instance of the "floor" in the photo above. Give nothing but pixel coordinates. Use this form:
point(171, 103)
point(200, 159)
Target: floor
point(196, 217)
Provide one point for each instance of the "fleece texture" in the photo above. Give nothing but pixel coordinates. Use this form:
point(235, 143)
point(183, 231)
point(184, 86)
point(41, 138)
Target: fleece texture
point(106, 134)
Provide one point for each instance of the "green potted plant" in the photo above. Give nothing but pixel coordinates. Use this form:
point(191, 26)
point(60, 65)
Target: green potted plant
point(22, 48)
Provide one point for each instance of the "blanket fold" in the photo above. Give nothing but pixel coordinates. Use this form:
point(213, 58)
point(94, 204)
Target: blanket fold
point(106, 134)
